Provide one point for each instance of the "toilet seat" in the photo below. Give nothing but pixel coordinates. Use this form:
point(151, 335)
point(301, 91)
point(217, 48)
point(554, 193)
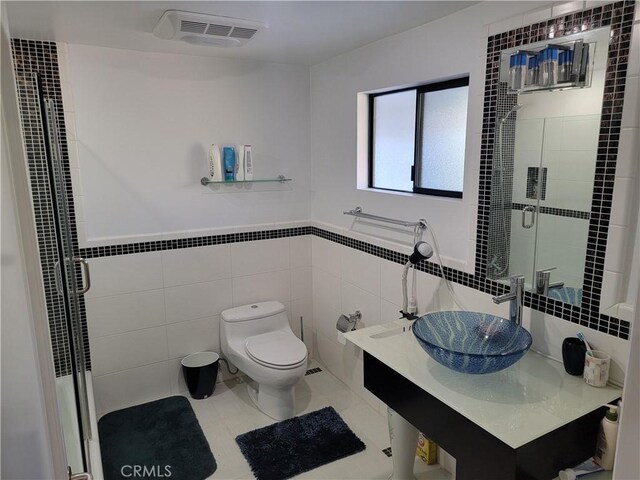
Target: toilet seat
point(279, 350)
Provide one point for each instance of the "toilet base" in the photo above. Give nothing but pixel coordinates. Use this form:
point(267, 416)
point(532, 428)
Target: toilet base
point(277, 403)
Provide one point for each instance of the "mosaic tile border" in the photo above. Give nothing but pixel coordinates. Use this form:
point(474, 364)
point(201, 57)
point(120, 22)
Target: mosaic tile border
point(29, 57)
point(202, 241)
point(560, 212)
point(571, 313)
point(619, 16)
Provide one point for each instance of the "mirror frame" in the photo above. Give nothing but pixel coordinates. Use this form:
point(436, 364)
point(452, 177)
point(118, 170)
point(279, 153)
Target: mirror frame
point(619, 17)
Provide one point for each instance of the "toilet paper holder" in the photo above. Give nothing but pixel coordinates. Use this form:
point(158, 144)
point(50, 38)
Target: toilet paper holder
point(348, 323)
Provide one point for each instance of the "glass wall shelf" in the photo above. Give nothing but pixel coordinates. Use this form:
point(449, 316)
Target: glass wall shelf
point(280, 179)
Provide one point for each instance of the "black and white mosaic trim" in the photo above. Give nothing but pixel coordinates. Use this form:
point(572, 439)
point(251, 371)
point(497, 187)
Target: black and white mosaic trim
point(559, 212)
point(572, 313)
point(204, 241)
point(619, 17)
point(31, 57)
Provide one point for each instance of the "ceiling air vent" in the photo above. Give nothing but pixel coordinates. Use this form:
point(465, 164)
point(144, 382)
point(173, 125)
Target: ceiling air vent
point(246, 33)
point(203, 29)
point(192, 27)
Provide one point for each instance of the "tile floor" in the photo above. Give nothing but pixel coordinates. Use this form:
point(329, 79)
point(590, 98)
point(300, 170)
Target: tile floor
point(229, 412)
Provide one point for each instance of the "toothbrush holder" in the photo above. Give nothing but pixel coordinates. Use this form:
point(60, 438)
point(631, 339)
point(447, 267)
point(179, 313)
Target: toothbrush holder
point(573, 355)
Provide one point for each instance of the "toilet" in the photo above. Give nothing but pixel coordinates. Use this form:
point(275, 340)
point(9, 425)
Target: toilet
point(259, 341)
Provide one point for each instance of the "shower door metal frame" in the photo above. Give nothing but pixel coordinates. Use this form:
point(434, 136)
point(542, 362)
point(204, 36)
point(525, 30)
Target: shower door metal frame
point(69, 269)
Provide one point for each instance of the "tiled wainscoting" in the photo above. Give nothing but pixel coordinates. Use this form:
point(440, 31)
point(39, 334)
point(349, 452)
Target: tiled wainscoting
point(146, 311)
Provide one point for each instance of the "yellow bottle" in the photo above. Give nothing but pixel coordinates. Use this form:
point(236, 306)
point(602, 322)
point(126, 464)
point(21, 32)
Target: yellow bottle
point(427, 450)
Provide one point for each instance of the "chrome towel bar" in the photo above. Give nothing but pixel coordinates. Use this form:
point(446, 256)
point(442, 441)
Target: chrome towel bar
point(357, 212)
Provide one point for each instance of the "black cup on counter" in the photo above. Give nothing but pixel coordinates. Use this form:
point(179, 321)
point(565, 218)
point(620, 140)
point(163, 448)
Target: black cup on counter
point(573, 352)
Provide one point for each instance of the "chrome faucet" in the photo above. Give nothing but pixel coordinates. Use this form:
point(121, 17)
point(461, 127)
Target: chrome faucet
point(516, 296)
point(542, 281)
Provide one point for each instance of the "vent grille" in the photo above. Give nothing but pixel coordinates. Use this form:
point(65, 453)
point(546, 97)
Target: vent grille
point(203, 29)
point(246, 33)
point(219, 30)
point(192, 27)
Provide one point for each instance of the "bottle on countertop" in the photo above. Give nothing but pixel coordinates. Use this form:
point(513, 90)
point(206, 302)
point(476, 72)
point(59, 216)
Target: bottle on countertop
point(607, 439)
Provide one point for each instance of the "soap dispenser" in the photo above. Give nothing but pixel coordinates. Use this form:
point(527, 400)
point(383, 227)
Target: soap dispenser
point(607, 439)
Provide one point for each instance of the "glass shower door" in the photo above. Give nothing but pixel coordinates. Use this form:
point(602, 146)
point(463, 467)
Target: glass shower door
point(71, 279)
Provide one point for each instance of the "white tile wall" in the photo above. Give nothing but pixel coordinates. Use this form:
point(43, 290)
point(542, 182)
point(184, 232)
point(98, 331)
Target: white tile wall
point(124, 313)
point(262, 287)
point(130, 387)
point(193, 336)
point(198, 300)
point(191, 265)
point(125, 274)
point(114, 353)
point(270, 255)
point(147, 311)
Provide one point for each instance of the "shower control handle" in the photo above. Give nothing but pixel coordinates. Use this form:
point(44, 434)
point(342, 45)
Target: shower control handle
point(532, 210)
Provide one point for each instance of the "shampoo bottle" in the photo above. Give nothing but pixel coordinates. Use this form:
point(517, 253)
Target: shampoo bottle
point(240, 164)
point(607, 439)
point(215, 164)
point(229, 154)
point(248, 163)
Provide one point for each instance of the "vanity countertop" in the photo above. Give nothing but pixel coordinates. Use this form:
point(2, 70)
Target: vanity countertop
point(516, 405)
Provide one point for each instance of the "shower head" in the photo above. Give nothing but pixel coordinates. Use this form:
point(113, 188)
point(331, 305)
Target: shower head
point(421, 251)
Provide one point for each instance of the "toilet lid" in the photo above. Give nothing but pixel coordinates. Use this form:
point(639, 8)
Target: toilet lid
point(280, 349)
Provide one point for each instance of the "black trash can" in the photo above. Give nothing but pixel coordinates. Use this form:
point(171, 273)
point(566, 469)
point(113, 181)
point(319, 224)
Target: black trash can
point(200, 373)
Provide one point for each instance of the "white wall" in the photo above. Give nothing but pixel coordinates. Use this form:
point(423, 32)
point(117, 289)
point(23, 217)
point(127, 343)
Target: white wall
point(627, 464)
point(147, 311)
point(25, 452)
point(442, 49)
point(140, 126)
point(26, 449)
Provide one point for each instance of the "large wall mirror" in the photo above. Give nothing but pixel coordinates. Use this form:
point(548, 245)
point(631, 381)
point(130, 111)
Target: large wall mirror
point(553, 106)
point(545, 163)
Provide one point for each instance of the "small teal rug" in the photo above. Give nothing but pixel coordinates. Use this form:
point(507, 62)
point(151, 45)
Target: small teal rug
point(155, 440)
point(288, 448)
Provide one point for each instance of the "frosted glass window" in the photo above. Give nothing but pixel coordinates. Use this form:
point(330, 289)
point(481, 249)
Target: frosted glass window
point(417, 138)
point(444, 127)
point(393, 145)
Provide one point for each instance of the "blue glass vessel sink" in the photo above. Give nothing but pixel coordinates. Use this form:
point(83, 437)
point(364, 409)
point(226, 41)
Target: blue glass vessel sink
point(471, 342)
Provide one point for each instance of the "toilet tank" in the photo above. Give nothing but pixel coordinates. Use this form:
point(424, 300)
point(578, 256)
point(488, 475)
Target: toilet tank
point(248, 320)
